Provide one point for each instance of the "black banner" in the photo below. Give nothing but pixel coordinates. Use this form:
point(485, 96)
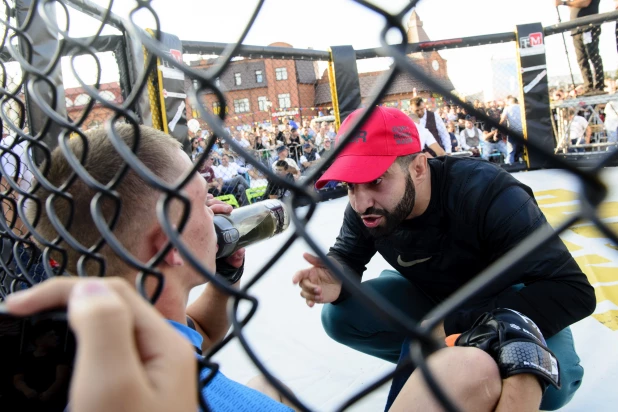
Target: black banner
point(348, 94)
point(172, 92)
point(536, 116)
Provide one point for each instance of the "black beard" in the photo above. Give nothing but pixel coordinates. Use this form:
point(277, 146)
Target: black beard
point(394, 218)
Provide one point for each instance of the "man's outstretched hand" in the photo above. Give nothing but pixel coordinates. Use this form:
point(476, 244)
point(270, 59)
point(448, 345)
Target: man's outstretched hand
point(317, 284)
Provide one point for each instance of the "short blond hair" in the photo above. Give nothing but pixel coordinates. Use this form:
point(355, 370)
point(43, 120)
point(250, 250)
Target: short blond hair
point(156, 150)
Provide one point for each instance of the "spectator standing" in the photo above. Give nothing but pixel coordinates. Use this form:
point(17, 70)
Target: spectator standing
point(282, 154)
point(305, 136)
point(586, 42)
point(611, 121)
point(233, 182)
point(428, 142)
point(512, 116)
point(433, 123)
point(470, 137)
point(294, 144)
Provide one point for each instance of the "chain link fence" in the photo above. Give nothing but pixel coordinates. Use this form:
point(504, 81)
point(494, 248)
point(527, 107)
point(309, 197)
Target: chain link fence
point(273, 112)
point(244, 110)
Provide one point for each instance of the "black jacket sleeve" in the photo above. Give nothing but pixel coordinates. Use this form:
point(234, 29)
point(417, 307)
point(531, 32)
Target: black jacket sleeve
point(353, 248)
point(556, 292)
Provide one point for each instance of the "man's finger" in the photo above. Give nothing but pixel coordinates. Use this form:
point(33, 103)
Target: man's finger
point(221, 208)
point(300, 275)
point(314, 260)
point(307, 285)
point(103, 326)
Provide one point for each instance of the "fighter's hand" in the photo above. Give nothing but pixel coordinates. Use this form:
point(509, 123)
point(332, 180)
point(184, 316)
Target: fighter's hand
point(128, 357)
point(317, 284)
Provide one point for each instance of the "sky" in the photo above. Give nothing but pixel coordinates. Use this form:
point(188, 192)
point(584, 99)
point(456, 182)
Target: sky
point(319, 24)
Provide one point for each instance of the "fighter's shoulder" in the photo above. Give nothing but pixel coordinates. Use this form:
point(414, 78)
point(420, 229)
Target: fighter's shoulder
point(470, 184)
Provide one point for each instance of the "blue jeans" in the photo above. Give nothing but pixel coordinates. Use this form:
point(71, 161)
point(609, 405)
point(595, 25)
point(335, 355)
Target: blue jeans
point(487, 148)
point(352, 324)
point(513, 148)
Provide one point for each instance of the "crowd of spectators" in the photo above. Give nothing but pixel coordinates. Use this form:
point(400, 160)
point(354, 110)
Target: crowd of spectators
point(585, 123)
point(300, 147)
point(455, 130)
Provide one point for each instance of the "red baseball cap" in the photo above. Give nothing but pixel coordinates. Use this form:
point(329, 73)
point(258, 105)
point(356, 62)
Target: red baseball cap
point(387, 134)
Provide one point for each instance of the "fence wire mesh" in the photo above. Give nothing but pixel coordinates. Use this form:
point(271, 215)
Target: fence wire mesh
point(230, 108)
point(272, 111)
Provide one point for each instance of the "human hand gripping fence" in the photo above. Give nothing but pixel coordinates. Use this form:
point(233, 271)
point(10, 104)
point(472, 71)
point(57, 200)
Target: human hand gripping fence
point(211, 102)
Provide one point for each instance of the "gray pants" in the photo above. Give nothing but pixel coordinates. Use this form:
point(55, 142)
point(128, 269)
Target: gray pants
point(236, 186)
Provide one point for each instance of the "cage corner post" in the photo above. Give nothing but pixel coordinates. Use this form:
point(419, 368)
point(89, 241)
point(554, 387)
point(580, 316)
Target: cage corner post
point(344, 82)
point(534, 92)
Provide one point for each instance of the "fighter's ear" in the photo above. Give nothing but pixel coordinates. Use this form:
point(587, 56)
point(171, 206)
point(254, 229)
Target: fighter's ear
point(418, 167)
point(159, 241)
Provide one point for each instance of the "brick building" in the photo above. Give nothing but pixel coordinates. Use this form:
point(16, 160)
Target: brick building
point(263, 90)
point(266, 91)
point(404, 87)
point(76, 101)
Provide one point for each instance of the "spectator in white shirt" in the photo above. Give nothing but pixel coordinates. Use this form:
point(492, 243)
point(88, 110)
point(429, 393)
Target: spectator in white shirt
point(611, 121)
point(579, 131)
point(233, 182)
point(244, 143)
point(452, 115)
point(427, 139)
point(470, 137)
point(433, 123)
point(282, 154)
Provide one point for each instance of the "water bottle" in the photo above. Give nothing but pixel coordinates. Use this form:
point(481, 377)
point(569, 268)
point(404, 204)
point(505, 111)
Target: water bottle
point(250, 224)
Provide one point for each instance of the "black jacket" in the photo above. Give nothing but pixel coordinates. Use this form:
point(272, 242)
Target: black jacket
point(477, 213)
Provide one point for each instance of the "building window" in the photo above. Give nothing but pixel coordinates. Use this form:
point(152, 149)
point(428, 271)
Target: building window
point(237, 79)
point(241, 105)
point(281, 73)
point(216, 107)
point(284, 100)
point(259, 78)
point(405, 104)
point(262, 103)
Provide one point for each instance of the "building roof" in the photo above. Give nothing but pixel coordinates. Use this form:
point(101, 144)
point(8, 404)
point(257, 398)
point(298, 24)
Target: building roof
point(404, 83)
point(247, 69)
point(306, 72)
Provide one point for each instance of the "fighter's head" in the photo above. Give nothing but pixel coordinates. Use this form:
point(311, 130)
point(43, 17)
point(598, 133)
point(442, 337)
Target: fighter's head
point(381, 164)
point(137, 228)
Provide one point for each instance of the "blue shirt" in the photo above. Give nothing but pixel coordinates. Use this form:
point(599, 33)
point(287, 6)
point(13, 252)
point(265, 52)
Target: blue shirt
point(225, 395)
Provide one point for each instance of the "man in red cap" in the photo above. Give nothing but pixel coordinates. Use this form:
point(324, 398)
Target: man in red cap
point(439, 222)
